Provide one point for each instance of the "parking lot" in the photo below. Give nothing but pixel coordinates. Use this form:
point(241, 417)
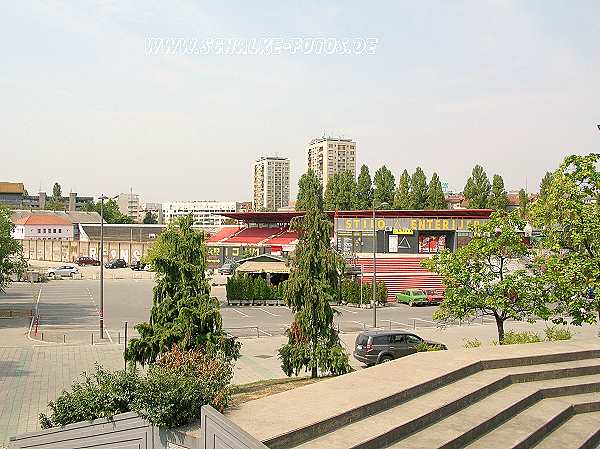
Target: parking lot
point(69, 311)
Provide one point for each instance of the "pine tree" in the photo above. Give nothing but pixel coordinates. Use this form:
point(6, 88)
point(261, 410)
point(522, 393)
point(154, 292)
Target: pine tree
point(435, 194)
point(183, 312)
point(56, 191)
point(402, 196)
point(477, 190)
point(418, 190)
point(498, 199)
point(364, 189)
point(385, 185)
point(308, 184)
point(313, 343)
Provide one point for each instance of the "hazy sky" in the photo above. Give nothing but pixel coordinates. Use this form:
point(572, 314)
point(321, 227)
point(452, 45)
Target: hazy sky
point(513, 85)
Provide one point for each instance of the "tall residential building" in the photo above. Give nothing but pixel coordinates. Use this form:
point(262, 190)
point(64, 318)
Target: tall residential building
point(129, 204)
point(205, 213)
point(329, 155)
point(270, 183)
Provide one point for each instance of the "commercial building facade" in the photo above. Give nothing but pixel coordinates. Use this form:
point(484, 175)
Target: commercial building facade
point(270, 183)
point(205, 213)
point(329, 155)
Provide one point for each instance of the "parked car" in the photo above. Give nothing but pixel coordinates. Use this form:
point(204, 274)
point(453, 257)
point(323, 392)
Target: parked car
point(374, 347)
point(64, 271)
point(85, 260)
point(434, 296)
point(138, 265)
point(116, 263)
point(228, 268)
point(412, 296)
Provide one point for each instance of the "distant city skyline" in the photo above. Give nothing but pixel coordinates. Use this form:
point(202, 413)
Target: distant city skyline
point(510, 85)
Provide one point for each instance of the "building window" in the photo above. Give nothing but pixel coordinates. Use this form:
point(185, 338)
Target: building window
point(39, 231)
point(60, 231)
point(44, 230)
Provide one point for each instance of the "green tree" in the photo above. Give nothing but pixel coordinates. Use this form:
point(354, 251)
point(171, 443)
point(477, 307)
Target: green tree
point(402, 196)
point(313, 343)
point(569, 215)
point(545, 185)
point(418, 190)
point(149, 218)
point(477, 190)
point(435, 194)
point(11, 259)
point(111, 212)
point(498, 199)
point(308, 185)
point(340, 193)
point(364, 189)
point(480, 277)
point(56, 191)
point(183, 312)
point(523, 203)
point(385, 185)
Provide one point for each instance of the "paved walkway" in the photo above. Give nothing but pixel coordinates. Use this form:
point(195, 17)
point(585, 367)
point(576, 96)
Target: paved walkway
point(32, 374)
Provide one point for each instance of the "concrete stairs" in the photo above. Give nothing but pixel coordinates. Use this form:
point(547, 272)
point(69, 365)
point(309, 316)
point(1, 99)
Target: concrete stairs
point(550, 401)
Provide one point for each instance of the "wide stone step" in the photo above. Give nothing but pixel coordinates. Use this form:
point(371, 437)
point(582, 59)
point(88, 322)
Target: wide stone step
point(581, 431)
point(385, 427)
point(463, 427)
point(536, 422)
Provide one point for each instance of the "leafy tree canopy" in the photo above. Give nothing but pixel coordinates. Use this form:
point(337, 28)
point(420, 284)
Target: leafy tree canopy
point(309, 191)
point(11, 259)
point(110, 212)
point(418, 190)
point(569, 214)
point(340, 193)
point(402, 197)
point(498, 199)
point(477, 190)
point(435, 195)
point(523, 203)
point(150, 218)
point(484, 278)
point(385, 185)
point(56, 191)
point(183, 312)
point(364, 189)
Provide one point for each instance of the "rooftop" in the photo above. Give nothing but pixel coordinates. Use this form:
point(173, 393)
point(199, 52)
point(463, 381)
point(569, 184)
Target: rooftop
point(12, 187)
point(42, 219)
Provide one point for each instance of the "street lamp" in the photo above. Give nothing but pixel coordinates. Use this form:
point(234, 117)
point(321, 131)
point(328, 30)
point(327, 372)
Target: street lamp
point(102, 198)
point(374, 281)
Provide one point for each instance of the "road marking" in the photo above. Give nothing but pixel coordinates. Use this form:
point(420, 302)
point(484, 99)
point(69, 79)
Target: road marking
point(399, 323)
point(267, 312)
point(265, 332)
point(241, 313)
point(425, 321)
point(108, 334)
point(345, 310)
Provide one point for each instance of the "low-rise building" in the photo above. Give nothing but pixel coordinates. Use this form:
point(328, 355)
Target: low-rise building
point(205, 213)
point(43, 227)
point(15, 196)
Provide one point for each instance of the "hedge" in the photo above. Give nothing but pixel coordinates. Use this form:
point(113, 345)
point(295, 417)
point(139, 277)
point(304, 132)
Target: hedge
point(351, 292)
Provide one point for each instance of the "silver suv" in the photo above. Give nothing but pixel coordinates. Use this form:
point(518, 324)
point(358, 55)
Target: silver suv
point(382, 346)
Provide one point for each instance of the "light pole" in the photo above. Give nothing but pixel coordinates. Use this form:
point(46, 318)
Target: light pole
point(102, 198)
point(374, 281)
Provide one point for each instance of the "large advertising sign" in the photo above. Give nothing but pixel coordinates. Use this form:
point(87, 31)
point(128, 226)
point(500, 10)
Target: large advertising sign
point(405, 225)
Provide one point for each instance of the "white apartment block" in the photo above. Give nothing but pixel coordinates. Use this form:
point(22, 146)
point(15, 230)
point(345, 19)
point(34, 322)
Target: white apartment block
point(329, 155)
point(129, 204)
point(205, 213)
point(270, 183)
